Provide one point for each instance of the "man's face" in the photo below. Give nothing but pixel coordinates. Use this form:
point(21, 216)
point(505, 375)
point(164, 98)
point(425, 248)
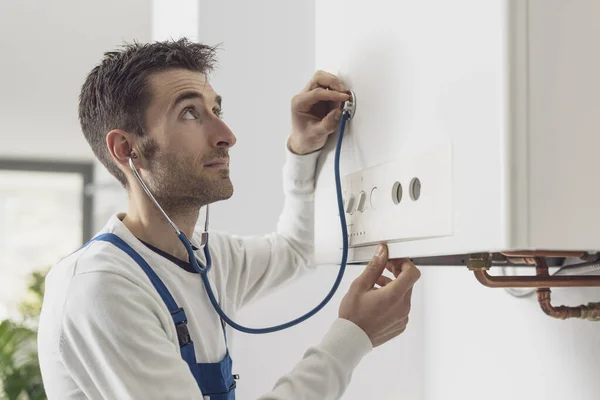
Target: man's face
point(187, 143)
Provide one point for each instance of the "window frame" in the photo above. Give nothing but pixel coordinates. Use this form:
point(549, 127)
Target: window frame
point(85, 169)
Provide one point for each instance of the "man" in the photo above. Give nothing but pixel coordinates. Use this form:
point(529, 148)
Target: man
point(107, 330)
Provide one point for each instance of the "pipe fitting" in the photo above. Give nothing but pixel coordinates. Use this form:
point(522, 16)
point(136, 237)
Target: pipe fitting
point(589, 312)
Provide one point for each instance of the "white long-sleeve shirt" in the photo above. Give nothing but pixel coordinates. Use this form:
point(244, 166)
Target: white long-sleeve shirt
point(105, 332)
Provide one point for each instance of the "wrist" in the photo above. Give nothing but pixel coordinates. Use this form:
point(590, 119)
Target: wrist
point(301, 147)
point(347, 342)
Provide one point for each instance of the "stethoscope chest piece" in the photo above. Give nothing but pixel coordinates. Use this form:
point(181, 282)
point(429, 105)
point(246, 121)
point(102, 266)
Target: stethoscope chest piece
point(349, 106)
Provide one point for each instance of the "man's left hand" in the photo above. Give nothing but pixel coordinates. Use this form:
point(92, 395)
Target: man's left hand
point(316, 113)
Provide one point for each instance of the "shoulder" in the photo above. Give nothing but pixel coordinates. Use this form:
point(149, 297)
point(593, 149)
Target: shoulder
point(233, 245)
point(99, 257)
point(99, 275)
point(97, 288)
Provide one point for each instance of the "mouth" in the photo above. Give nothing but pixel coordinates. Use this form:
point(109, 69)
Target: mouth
point(220, 163)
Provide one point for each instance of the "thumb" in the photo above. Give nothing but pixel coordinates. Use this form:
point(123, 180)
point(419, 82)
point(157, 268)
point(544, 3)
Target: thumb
point(331, 121)
point(369, 277)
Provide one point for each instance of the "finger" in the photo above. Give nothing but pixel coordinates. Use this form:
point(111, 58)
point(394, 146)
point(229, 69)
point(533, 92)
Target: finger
point(408, 297)
point(405, 270)
point(400, 286)
point(383, 280)
point(325, 80)
point(331, 121)
point(409, 273)
point(395, 266)
point(304, 101)
point(373, 271)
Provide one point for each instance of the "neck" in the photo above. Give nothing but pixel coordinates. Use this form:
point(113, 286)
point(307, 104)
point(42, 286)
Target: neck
point(147, 223)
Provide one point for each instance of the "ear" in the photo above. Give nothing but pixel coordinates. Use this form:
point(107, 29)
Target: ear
point(120, 146)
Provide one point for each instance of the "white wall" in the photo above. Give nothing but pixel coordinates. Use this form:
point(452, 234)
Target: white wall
point(483, 343)
point(175, 19)
point(47, 48)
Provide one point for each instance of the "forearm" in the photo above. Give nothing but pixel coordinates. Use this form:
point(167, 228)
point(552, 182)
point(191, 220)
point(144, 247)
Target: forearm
point(325, 371)
point(296, 221)
point(260, 264)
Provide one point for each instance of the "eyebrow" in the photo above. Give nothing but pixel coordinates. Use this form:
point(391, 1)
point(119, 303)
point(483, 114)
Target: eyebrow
point(192, 95)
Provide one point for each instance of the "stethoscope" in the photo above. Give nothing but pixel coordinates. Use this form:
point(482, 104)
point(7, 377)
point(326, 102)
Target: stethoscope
point(348, 111)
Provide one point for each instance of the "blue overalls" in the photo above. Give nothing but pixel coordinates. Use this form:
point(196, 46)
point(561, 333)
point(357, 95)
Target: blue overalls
point(215, 380)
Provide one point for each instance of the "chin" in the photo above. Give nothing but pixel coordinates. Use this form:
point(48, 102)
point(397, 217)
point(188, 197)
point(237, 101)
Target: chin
point(223, 192)
point(228, 195)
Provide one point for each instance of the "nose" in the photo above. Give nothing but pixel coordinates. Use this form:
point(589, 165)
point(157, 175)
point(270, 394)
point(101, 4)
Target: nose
point(223, 136)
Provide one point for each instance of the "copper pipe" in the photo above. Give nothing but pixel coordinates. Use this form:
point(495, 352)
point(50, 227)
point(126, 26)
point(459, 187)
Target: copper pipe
point(521, 260)
point(545, 253)
point(541, 266)
point(590, 312)
point(535, 281)
point(543, 281)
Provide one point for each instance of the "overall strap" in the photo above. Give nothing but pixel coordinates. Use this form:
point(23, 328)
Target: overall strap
point(186, 346)
point(224, 326)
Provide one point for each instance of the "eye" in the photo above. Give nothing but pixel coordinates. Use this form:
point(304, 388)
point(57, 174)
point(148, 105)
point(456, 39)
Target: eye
point(189, 113)
point(218, 112)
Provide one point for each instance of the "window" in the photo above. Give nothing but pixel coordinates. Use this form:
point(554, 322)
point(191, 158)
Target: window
point(45, 214)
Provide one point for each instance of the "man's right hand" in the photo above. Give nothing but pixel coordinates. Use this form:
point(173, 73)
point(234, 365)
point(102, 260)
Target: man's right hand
point(381, 312)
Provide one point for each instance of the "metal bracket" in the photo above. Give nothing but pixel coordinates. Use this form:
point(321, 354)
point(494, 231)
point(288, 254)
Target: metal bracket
point(479, 261)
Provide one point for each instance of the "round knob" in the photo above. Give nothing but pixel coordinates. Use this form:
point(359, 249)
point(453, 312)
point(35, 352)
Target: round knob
point(397, 193)
point(415, 189)
point(375, 198)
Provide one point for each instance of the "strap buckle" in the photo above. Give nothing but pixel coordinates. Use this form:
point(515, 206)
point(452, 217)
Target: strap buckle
point(183, 333)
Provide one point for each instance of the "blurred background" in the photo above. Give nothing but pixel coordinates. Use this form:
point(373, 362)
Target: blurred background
point(464, 341)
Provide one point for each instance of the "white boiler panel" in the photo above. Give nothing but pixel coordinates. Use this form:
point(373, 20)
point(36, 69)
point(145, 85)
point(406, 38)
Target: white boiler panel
point(477, 126)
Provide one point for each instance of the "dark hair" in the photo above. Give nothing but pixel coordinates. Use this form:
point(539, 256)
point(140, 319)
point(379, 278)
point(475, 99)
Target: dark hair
point(116, 93)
